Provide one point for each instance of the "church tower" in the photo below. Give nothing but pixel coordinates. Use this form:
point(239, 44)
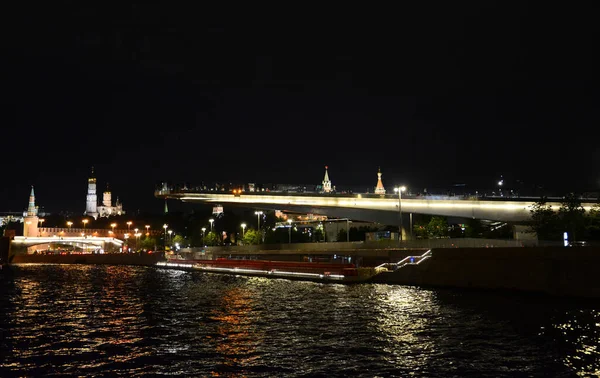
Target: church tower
point(379, 189)
point(91, 206)
point(106, 197)
point(30, 220)
point(326, 182)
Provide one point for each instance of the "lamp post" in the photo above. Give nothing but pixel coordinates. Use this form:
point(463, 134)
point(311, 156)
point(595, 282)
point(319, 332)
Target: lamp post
point(243, 229)
point(147, 230)
point(126, 236)
point(129, 225)
point(400, 190)
point(290, 231)
point(69, 224)
point(347, 230)
point(170, 237)
point(211, 221)
point(85, 222)
point(203, 232)
point(137, 237)
point(112, 226)
point(165, 226)
point(258, 214)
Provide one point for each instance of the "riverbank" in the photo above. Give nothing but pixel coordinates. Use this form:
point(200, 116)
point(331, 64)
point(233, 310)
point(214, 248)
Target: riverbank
point(557, 271)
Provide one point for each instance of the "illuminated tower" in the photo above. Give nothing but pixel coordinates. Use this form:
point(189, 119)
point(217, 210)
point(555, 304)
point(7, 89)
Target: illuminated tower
point(106, 198)
point(326, 182)
point(30, 220)
point(91, 207)
point(379, 189)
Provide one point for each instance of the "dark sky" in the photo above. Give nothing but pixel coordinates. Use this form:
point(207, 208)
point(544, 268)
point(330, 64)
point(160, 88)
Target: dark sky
point(434, 94)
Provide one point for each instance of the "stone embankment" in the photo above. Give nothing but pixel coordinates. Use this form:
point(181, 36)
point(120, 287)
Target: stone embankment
point(560, 271)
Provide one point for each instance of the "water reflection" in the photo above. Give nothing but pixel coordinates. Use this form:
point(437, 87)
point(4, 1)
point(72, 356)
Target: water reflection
point(236, 337)
point(139, 321)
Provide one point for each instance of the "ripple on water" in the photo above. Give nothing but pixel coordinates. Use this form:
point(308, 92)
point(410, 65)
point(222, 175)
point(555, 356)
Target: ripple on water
point(139, 321)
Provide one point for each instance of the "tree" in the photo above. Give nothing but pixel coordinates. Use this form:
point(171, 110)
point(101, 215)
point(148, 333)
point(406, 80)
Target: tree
point(572, 216)
point(180, 241)
point(437, 227)
point(341, 235)
point(251, 237)
point(318, 235)
point(474, 228)
point(211, 239)
point(148, 243)
point(544, 221)
point(593, 223)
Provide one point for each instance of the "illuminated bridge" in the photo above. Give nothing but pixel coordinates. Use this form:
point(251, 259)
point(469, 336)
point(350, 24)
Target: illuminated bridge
point(367, 207)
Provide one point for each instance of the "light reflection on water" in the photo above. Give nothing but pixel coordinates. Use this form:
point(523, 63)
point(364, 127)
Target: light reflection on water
point(137, 321)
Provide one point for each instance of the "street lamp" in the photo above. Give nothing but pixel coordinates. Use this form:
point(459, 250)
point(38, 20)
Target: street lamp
point(42, 222)
point(112, 226)
point(170, 237)
point(85, 222)
point(400, 190)
point(165, 226)
point(290, 230)
point(147, 230)
point(129, 225)
point(69, 224)
point(258, 214)
point(203, 232)
point(211, 224)
point(137, 237)
point(243, 228)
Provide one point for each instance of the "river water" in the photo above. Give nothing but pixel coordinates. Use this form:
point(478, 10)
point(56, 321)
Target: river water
point(83, 320)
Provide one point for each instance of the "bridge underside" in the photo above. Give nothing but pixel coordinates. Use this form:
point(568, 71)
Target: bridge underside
point(366, 215)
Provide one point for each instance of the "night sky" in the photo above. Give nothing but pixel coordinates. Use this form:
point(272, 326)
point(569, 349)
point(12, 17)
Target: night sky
point(436, 95)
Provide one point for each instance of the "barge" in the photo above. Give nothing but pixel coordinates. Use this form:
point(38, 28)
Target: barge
point(312, 271)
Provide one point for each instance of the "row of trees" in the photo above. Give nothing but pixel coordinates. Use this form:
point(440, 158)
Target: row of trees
point(571, 217)
point(435, 227)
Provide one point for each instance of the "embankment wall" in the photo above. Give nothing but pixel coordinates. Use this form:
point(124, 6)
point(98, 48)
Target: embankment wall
point(558, 271)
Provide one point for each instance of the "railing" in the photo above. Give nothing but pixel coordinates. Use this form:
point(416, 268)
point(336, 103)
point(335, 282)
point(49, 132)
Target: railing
point(408, 260)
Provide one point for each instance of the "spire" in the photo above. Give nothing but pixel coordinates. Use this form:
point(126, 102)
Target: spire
point(31, 209)
point(379, 189)
point(166, 207)
point(326, 182)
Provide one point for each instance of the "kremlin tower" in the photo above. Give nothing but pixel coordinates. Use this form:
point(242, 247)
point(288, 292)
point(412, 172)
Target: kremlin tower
point(91, 205)
point(326, 182)
point(106, 209)
point(379, 189)
point(30, 220)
